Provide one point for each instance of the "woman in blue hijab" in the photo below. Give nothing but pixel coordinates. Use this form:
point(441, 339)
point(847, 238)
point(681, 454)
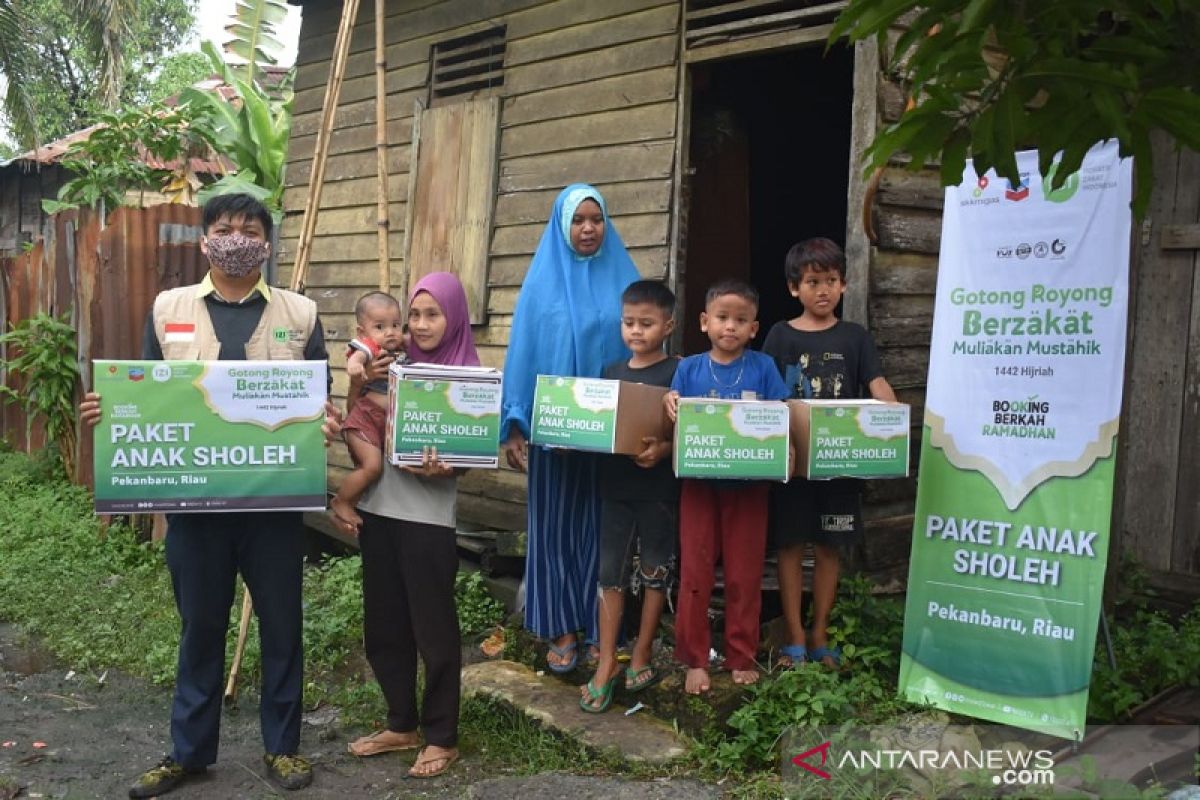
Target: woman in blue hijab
point(567, 322)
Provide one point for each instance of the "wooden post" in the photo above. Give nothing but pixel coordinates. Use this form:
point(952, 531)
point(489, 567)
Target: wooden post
point(381, 146)
point(235, 669)
point(333, 90)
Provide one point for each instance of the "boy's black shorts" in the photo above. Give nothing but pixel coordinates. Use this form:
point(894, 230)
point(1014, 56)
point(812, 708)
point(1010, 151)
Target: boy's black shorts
point(821, 512)
point(648, 527)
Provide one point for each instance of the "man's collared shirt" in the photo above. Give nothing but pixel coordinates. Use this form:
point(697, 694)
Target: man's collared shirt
point(207, 287)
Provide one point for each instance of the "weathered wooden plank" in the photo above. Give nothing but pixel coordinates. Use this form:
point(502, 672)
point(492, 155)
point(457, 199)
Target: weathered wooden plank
point(503, 299)
point(602, 165)
point(892, 101)
point(361, 274)
point(1152, 443)
point(1185, 557)
point(634, 197)
point(345, 167)
point(354, 219)
point(510, 270)
point(759, 45)
point(362, 87)
point(413, 22)
point(1180, 237)
point(342, 249)
point(902, 320)
point(899, 187)
point(916, 230)
point(498, 484)
point(495, 514)
point(491, 356)
point(641, 230)
point(362, 112)
point(453, 195)
point(587, 67)
point(353, 139)
point(863, 125)
point(338, 328)
point(341, 194)
point(619, 91)
point(905, 367)
point(339, 299)
point(739, 27)
point(903, 273)
point(663, 20)
point(495, 332)
point(639, 124)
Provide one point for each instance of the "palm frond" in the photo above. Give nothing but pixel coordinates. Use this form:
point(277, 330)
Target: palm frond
point(16, 59)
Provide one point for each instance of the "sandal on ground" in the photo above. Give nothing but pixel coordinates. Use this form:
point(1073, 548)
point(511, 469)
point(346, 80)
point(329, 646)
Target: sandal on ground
point(570, 649)
point(381, 742)
point(634, 682)
point(792, 655)
point(604, 694)
point(448, 758)
point(819, 654)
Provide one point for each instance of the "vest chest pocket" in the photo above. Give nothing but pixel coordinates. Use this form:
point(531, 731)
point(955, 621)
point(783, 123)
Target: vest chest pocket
point(181, 351)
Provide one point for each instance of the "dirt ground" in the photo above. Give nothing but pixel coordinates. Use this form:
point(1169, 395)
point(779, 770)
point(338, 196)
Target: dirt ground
point(67, 735)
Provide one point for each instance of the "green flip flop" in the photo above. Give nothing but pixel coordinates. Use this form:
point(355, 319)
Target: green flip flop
point(604, 694)
point(632, 677)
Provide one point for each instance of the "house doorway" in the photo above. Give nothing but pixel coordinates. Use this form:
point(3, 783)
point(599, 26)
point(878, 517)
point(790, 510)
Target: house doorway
point(768, 165)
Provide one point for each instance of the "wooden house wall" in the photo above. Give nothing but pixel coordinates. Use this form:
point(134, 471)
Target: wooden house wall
point(589, 95)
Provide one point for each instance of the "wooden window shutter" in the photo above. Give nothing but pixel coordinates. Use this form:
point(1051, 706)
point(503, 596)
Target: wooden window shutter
point(451, 193)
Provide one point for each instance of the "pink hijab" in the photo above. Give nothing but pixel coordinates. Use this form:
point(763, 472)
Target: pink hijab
point(457, 347)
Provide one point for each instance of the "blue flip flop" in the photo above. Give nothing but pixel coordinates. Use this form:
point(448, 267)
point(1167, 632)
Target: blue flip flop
point(819, 654)
point(571, 649)
point(797, 654)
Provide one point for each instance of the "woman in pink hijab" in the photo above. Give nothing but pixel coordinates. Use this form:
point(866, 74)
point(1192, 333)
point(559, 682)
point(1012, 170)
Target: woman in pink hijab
point(410, 560)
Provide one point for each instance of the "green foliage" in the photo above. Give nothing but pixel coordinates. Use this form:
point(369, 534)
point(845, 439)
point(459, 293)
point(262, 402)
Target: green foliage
point(97, 599)
point(1153, 653)
point(502, 735)
point(477, 610)
point(868, 628)
point(16, 60)
point(79, 50)
point(41, 351)
point(252, 132)
point(111, 162)
point(176, 72)
point(991, 77)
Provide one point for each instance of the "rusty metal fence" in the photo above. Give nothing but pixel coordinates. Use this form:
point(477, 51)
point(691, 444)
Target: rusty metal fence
point(105, 275)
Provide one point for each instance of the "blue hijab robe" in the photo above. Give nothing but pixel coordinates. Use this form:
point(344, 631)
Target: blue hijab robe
point(568, 315)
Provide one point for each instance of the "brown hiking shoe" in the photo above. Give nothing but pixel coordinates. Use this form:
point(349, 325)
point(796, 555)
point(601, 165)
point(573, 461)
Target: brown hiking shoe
point(162, 779)
point(289, 772)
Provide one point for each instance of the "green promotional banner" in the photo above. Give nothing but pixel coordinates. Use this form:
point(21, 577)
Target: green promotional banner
point(186, 436)
point(745, 439)
point(1014, 495)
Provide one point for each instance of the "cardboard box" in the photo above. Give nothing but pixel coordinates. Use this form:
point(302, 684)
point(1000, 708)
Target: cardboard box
point(598, 415)
point(732, 439)
point(455, 409)
point(850, 438)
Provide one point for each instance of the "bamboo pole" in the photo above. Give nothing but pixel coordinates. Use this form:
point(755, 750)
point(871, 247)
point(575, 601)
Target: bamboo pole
point(381, 146)
point(333, 90)
point(235, 669)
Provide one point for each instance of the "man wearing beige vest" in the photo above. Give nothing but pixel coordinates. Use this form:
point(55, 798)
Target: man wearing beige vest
point(232, 315)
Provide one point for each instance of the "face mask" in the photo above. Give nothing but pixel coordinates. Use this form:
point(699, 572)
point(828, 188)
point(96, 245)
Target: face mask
point(236, 254)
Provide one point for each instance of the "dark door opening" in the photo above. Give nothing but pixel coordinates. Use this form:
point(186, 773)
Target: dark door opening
point(769, 158)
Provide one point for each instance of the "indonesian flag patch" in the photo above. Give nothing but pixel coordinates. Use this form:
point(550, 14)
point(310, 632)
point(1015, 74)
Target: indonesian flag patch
point(180, 332)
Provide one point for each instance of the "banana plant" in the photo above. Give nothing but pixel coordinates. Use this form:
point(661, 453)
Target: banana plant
point(254, 28)
point(251, 130)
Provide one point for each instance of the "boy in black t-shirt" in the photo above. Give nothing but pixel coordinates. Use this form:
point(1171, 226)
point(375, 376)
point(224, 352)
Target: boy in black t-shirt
point(824, 358)
point(639, 503)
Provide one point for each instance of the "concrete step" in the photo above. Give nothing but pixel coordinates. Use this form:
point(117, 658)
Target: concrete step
point(638, 737)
